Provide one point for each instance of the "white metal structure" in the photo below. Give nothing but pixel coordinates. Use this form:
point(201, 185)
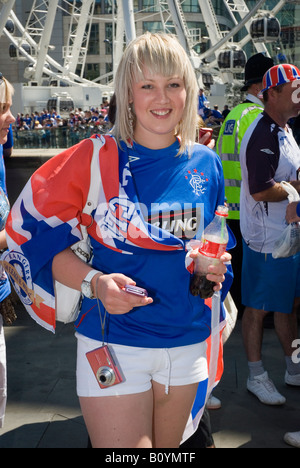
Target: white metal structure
point(37, 34)
point(76, 50)
point(32, 40)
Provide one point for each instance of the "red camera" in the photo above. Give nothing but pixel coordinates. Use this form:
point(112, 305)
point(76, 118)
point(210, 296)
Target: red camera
point(104, 367)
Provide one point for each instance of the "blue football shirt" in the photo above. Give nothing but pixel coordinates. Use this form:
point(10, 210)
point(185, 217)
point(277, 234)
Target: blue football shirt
point(180, 194)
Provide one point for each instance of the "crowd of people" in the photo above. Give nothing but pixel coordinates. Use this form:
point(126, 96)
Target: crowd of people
point(157, 112)
point(50, 118)
point(210, 116)
point(48, 129)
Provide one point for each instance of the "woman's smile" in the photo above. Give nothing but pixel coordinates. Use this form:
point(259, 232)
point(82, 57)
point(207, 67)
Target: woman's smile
point(161, 113)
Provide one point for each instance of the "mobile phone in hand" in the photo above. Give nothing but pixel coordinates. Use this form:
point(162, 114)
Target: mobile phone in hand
point(136, 290)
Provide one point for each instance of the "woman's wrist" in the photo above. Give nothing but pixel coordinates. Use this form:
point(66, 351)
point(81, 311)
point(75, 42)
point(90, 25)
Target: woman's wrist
point(95, 283)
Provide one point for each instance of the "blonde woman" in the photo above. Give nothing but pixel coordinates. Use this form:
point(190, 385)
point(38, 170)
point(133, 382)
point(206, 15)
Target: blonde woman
point(6, 119)
point(156, 191)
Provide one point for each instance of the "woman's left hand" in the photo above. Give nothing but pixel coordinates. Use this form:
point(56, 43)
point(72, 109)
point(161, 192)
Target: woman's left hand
point(217, 272)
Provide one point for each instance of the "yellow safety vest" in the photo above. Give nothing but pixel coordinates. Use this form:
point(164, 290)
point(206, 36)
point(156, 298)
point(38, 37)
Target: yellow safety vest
point(228, 148)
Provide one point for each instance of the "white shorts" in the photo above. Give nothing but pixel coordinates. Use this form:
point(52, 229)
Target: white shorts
point(139, 366)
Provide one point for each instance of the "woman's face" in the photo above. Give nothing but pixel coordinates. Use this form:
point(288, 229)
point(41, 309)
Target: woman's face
point(158, 103)
point(6, 118)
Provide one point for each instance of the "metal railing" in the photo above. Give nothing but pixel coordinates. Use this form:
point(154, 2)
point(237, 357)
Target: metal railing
point(55, 137)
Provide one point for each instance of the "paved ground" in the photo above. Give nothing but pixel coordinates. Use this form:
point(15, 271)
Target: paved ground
point(43, 410)
point(243, 421)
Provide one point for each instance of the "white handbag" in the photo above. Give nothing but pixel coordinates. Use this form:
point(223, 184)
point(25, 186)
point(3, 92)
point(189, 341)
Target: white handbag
point(68, 300)
point(288, 243)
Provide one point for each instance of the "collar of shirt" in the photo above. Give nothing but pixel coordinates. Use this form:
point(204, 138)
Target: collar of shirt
point(254, 99)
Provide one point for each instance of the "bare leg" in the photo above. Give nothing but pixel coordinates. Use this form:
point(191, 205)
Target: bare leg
point(144, 420)
point(252, 327)
point(285, 329)
point(171, 413)
point(119, 422)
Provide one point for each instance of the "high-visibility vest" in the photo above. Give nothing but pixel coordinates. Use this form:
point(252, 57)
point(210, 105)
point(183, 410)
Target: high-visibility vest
point(228, 148)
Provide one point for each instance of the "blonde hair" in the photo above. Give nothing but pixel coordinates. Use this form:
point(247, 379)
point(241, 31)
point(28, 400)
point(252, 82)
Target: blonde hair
point(162, 54)
point(6, 93)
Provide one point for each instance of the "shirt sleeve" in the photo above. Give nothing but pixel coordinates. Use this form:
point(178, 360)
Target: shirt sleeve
point(262, 156)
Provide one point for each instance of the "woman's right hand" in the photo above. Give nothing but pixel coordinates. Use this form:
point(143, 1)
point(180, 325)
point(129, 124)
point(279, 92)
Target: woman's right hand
point(110, 290)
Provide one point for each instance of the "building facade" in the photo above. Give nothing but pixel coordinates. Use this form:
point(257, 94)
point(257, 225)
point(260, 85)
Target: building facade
point(147, 18)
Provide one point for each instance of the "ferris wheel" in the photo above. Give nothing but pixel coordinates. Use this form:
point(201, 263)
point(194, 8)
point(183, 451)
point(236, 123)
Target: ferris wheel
point(31, 42)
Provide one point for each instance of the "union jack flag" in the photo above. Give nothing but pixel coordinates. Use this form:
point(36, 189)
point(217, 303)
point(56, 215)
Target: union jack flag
point(47, 216)
point(215, 364)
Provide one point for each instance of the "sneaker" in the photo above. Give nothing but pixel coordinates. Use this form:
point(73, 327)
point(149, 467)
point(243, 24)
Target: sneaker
point(293, 380)
point(213, 403)
point(264, 389)
point(292, 438)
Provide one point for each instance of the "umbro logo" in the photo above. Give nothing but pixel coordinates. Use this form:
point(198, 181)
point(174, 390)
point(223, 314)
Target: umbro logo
point(267, 150)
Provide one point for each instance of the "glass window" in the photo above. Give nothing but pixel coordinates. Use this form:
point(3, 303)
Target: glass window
point(108, 38)
point(108, 6)
point(94, 48)
point(109, 69)
point(149, 5)
point(190, 6)
point(152, 26)
point(136, 5)
point(195, 32)
point(218, 7)
point(92, 71)
point(98, 9)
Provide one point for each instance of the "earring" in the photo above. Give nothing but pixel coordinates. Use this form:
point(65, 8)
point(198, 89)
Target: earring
point(130, 120)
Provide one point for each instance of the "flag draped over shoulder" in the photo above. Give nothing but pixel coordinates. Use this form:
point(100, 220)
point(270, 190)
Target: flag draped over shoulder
point(47, 216)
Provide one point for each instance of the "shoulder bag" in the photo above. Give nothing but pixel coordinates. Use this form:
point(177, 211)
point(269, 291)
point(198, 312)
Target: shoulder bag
point(288, 243)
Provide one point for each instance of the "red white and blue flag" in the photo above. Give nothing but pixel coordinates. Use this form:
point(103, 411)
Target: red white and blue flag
point(215, 364)
point(47, 216)
point(280, 74)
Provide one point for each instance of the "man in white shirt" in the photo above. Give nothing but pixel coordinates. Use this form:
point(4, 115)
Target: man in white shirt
point(269, 154)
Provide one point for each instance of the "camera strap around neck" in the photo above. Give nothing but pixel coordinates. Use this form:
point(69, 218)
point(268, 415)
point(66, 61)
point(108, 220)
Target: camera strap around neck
point(102, 320)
